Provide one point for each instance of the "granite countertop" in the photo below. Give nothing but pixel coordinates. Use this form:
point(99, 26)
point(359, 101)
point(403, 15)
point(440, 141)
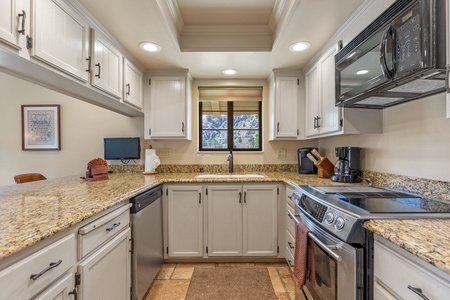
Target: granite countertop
point(31, 212)
point(428, 239)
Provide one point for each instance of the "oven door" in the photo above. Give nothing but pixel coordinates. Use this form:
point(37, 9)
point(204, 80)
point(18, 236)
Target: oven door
point(339, 267)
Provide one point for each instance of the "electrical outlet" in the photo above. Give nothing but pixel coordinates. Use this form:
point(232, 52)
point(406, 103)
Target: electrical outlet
point(166, 153)
point(281, 153)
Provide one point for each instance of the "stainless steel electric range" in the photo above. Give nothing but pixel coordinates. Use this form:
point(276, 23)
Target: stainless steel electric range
point(343, 249)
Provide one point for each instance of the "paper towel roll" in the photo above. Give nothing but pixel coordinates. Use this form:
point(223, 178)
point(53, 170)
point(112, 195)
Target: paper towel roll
point(151, 160)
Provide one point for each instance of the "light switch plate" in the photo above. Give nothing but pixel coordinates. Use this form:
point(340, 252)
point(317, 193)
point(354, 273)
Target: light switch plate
point(281, 153)
point(166, 153)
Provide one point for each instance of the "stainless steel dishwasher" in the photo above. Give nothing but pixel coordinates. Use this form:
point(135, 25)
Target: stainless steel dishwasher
point(147, 240)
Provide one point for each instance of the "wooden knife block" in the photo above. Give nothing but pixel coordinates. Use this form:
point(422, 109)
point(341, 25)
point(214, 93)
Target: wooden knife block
point(325, 169)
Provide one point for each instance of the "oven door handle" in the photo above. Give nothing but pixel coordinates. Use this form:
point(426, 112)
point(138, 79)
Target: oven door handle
point(293, 217)
point(326, 248)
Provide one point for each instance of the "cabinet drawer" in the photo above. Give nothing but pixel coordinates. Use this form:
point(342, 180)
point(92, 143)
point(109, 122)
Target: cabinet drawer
point(290, 222)
point(44, 266)
point(390, 268)
point(290, 242)
point(101, 230)
point(290, 258)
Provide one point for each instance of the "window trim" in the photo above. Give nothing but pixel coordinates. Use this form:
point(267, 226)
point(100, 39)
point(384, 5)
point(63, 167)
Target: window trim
point(229, 129)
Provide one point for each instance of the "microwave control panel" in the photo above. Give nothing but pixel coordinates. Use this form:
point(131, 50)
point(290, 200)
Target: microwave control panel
point(408, 43)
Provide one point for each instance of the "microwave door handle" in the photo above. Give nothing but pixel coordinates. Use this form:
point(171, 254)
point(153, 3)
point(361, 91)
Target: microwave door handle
point(383, 44)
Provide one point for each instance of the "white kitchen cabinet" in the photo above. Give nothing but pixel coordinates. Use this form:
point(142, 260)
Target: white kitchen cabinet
point(396, 271)
point(242, 220)
point(322, 117)
point(168, 106)
point(290, 227)
point(284, 105)
point(106, 65)
point(61, 37)
point(184, 226)
point(132, 84)
point(63, 289)
point(15, 23)
point(106, 274)
point(38, 270)
point(260, 225)
point(224, 220)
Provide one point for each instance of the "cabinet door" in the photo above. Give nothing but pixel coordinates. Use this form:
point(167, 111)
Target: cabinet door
point(106, 67)
point(185, 221)
point(14, 22)
point(60, 290)
point(132, 80)
point(260, 225)
point(286, 90)
point(168, 107)
point(106, 273)
point(61, 37)
point(330, 115)
point(225, 220)
point(312, 98)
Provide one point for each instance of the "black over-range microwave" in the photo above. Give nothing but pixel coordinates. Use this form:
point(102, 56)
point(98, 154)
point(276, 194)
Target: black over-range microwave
point(399, 57)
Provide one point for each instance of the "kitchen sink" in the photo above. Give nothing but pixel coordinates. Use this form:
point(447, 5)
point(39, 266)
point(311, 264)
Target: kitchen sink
point(209, 176)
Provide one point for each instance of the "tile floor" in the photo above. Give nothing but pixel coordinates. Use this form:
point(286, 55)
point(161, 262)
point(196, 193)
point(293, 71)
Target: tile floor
point(172, 282)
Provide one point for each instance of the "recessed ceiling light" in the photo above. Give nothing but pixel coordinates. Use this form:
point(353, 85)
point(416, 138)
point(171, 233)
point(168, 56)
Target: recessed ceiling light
point(299, 46)
point(150, 47)
point(362, 72)
point(229, 71)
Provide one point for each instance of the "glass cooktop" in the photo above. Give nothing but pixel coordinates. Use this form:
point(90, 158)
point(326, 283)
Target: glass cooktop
point(380, 200)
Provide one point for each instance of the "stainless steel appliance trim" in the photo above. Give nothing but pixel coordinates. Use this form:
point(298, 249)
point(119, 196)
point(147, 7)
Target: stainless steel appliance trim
point(327, 248)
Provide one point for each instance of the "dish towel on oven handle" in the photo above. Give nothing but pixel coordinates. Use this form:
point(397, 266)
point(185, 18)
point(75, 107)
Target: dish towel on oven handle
point(304, 270)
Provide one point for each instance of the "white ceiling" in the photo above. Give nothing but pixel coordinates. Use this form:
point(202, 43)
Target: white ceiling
point(208, 36)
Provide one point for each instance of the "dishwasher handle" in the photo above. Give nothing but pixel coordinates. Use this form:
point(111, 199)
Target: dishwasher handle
point(144, 199)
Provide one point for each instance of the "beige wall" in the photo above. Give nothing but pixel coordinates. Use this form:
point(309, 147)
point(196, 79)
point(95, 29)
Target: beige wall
point(83, 127)
point(185, 152)
point(415, 141)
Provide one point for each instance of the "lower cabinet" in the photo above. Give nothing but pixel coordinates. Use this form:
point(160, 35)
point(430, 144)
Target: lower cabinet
point(184, 225)
point(102, 269)
point(400, 275)
point(63, 289)
point(106, 273)
point(290, 227)
point(242, 220)
point(227, 220)
point(38, 270)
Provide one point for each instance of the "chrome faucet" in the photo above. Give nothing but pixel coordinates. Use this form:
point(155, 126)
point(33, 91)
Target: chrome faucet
point(230, 162)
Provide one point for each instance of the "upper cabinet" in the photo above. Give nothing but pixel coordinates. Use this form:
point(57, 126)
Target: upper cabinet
point(106, 66)
point(61, 37)
point(168, 106)
point(284, 104)
point(58, 44)
point(322, 116)
point(132, 84)
point(14, 23)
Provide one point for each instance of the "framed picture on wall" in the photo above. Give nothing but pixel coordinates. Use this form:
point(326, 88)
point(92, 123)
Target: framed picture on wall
point(41, 127)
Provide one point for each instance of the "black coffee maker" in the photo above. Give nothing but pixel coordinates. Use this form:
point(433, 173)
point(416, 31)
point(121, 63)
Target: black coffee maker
point(305, 165)
point(348, 166)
